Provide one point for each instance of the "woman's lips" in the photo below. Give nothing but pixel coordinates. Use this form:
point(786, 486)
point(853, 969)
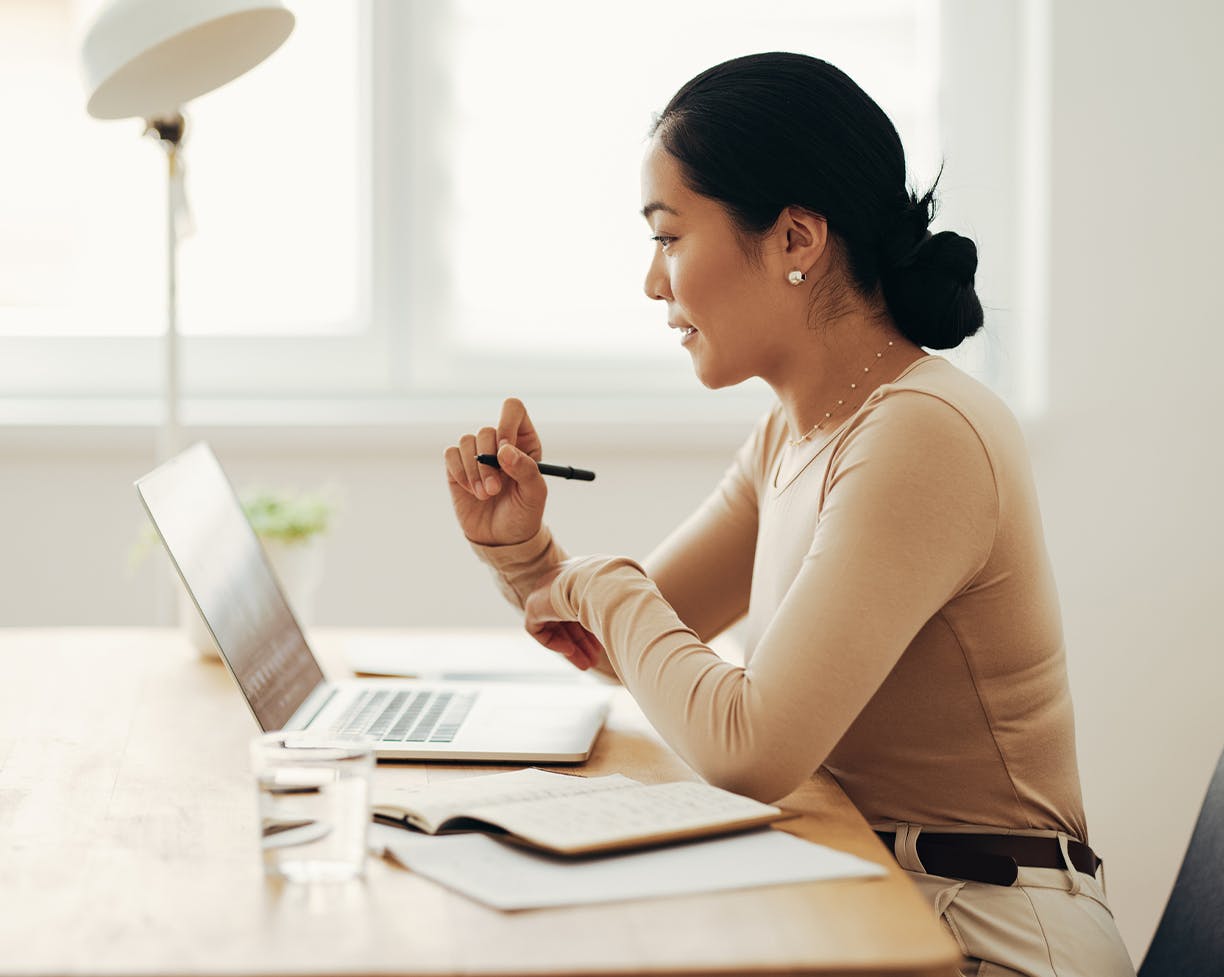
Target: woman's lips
point(686, 332)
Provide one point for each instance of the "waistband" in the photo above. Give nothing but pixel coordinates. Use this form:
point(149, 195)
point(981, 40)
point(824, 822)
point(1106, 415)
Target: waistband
point(995, 859)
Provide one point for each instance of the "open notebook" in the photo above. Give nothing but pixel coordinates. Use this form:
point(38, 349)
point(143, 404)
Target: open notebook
point(571, 815)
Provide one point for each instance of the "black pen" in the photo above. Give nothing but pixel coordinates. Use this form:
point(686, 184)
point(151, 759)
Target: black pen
point(561, 471)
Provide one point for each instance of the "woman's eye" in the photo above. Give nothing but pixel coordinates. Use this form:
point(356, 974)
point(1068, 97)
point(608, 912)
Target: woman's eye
point(663, 240)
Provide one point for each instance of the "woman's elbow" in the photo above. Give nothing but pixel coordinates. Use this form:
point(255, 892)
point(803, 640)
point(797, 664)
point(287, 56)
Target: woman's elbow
point(753, 777)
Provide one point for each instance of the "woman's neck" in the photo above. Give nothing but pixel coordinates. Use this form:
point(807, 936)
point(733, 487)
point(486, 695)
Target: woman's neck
point(833, 367)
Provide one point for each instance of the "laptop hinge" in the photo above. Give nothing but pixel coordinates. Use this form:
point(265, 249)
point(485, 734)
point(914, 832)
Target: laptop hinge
point(305, 714)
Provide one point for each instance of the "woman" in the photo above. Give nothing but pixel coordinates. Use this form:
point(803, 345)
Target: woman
point(879, 528)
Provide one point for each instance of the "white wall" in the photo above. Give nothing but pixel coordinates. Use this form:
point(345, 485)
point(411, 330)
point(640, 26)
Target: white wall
point(1128, 458)
point(70, 515)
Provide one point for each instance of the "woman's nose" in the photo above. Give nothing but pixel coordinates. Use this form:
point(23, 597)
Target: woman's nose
point(657, 286)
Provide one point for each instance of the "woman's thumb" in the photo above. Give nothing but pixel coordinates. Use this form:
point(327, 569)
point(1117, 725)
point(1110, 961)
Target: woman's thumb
point(522, 469)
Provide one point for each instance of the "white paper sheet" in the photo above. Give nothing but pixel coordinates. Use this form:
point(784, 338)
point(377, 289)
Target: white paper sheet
point(460, 655)
point(508, 878)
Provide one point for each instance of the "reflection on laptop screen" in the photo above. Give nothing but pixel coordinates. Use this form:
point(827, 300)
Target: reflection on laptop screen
point(222, 563)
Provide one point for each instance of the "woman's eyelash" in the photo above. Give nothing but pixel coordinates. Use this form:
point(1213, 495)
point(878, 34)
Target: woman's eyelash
point(662, 239)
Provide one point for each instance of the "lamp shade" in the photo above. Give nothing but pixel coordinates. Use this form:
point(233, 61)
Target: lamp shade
point(146, 58)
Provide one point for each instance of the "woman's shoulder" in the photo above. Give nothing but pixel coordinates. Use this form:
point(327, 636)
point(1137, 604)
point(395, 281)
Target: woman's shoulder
point(940, 409)
point(943, 392)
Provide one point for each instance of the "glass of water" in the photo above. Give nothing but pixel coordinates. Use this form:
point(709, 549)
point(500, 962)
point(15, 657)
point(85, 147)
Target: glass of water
point(314, 806)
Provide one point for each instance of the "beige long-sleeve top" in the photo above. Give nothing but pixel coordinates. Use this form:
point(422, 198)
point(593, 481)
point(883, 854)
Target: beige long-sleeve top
point(903, 628)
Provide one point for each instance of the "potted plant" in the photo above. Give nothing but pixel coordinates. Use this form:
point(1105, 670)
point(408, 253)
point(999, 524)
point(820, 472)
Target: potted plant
point(291, 527)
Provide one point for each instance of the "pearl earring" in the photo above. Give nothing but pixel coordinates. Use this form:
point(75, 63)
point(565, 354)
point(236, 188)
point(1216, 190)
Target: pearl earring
point(796, 277)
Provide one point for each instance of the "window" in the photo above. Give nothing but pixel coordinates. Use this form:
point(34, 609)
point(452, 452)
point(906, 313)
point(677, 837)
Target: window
point(553, 130)
point(272, 166)
point(408, 199)
point(270, 281)
point(544, 111)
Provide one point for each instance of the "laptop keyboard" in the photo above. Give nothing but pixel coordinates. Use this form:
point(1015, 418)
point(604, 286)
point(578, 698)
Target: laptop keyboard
point(404, 716)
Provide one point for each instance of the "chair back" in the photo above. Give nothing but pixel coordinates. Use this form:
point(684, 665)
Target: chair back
point(1190, 938)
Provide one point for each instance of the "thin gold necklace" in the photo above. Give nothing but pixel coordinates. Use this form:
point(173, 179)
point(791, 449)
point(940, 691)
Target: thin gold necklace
point(834, 409)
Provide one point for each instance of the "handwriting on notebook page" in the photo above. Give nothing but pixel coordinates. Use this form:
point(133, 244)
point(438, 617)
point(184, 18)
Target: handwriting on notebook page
point(590, 818)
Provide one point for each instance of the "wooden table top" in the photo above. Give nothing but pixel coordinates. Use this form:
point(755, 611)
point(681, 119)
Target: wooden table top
point(128, 845)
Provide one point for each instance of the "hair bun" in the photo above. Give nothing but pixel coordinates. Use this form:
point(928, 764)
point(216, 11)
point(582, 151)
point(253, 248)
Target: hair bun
point(930, 293)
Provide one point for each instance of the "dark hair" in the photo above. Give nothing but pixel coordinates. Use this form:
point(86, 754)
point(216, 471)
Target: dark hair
point(768, 131)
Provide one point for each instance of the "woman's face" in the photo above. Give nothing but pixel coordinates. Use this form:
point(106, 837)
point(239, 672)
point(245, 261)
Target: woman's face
point(724, 306)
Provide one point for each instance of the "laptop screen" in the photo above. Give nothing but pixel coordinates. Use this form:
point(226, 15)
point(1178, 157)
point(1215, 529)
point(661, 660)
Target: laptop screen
point(223, 565)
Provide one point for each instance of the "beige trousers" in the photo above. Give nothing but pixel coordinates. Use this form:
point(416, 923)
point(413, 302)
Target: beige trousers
point(1049, 923)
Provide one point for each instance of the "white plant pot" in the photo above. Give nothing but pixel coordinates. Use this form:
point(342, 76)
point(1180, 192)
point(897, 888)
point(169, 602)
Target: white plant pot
point(299, 569)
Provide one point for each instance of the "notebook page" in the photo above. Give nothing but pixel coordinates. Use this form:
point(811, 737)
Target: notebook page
point(431, 805)
point(592, 820)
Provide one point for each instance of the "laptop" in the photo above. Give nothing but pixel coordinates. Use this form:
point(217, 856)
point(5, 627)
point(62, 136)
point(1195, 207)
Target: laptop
point(223, 566)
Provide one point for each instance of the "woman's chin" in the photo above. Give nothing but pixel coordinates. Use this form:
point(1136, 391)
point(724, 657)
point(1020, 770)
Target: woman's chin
point(713, 375)
point(713, 380)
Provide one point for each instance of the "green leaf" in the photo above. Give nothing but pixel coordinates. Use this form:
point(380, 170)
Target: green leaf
point(287, 516)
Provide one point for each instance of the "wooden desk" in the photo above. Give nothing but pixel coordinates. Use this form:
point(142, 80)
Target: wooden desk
point(128, 846)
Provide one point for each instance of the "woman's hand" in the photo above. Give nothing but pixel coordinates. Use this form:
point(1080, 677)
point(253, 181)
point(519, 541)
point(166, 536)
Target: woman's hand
point(563, 635)
point(498, 508)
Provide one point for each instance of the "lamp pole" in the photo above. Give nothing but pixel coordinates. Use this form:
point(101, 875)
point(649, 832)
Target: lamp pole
point(143, 59)
point(169, 133)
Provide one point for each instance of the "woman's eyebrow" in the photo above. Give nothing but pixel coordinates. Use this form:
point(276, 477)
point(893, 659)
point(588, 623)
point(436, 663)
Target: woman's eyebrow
point(654, 205)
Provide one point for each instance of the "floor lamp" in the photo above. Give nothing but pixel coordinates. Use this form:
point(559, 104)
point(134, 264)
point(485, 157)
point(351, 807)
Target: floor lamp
point(145, 59)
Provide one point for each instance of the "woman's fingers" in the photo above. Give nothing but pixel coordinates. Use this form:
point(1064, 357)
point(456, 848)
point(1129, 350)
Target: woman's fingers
point(471, 467)
point(594, 649)
point(585, 643)
point(482, 481)
point(559, 638)
point(569, 646)
point(486, 444)
point(456, 475)
point(464, 470)
point(495, 506)
point(550, 636)
point(522, 470)
point(570, 639)
point(567, 637)
point(516, 427)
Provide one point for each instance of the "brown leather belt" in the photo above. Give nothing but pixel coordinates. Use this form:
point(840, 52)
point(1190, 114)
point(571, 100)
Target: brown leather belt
point(995, 859)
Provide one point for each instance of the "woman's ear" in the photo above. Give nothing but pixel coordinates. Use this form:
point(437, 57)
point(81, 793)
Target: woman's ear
point(806, 235)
